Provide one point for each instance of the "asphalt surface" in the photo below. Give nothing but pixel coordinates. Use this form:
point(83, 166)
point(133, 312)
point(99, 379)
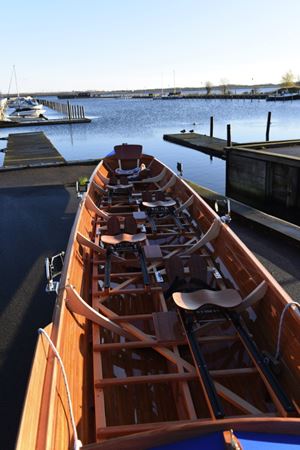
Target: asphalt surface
point(36, 223)
point(280, 256)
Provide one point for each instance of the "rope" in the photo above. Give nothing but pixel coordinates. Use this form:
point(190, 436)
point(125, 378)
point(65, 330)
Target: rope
point(281, 324)
point(77, 442)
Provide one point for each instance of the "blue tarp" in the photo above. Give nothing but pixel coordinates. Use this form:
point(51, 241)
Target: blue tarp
point(249, 441)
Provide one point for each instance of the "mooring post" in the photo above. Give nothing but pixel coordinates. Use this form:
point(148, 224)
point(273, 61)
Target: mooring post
point(268, 126)
point(229, 135)
point(69, 110)
point(211, 131)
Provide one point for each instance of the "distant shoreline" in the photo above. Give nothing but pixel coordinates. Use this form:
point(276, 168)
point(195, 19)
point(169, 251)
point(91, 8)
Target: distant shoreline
point(154, 91)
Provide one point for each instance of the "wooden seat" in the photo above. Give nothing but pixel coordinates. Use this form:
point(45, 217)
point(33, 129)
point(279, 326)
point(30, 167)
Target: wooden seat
point(159, 200)
point(128, 159)
point(165, 203)
point(227, 298)
point(114, 235)
point(115, 184)
point(123, 237)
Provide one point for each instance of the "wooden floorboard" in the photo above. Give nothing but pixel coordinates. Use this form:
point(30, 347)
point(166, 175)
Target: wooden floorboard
point(210, 145)
point(30, 149)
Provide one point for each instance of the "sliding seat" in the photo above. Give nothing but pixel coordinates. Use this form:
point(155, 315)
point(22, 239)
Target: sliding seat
point(117, 242)
point(158, 207)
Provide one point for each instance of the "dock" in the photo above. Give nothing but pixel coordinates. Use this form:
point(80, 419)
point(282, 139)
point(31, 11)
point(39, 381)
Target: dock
point(41, 122)
point(201, 142)
point(29, 149)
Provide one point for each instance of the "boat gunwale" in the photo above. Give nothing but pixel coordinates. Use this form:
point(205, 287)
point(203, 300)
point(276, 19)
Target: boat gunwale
point(164, 434)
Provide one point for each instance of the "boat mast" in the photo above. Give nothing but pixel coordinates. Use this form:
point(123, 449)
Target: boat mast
point(14, 69)
point(10, 81)
point(174, 91)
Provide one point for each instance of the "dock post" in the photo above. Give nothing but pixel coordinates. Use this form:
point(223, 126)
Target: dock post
point(211, 131)
point(69, 109)
point(268, 126)
point(228, 135)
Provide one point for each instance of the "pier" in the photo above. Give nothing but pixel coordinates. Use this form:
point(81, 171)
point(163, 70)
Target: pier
point(41, 122)
point(206, 144)
point(29, 149)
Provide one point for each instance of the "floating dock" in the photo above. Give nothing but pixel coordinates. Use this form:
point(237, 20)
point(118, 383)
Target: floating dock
point(206, 144)
point(29, 149)
point(41, 122)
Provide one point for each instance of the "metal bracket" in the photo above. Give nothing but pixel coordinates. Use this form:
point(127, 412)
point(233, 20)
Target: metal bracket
point(53, 268)
point(222, 207)
point(81, 188)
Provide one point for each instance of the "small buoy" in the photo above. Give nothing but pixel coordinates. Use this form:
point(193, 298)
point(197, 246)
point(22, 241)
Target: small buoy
point(182, 131)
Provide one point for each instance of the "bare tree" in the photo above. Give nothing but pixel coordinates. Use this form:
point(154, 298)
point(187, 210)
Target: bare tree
point(208, 87)
point(287, 79)
point(224, 86)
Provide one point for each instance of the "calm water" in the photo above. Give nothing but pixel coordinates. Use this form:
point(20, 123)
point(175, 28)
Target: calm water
point(145, 121)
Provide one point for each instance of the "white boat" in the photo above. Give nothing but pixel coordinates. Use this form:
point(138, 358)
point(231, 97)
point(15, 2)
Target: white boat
point(24, 102)
point(284, 94)
point(26, 112)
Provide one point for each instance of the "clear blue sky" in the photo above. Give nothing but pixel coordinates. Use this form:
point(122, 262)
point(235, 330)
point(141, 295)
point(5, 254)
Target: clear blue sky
point(127, 44)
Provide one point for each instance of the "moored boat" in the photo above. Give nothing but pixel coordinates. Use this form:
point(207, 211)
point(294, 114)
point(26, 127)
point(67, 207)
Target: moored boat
point(284, 94)
point(169, 329)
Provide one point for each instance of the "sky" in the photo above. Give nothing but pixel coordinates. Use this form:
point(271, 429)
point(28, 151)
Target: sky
point(65, 45)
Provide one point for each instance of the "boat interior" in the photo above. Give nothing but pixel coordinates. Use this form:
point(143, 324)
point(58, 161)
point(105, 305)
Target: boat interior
point(164, 319)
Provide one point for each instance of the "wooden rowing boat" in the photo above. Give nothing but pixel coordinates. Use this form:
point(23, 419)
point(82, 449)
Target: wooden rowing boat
point(167, 325)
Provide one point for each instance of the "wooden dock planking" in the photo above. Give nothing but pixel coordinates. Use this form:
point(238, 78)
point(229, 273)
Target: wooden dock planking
point(206, 144)
point(30, 149)
point(39, 122)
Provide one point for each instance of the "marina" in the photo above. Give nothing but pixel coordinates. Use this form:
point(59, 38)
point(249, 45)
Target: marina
point(47, 184)
point(150, 226)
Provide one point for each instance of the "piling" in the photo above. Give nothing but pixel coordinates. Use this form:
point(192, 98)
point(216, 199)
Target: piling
point(211, 130)
point(268, 126)
point(68, 110)
point(65, 109)
point(229, 135)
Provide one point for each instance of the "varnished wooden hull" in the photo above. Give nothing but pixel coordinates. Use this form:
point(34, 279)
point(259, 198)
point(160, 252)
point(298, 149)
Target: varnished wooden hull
point(115, 404)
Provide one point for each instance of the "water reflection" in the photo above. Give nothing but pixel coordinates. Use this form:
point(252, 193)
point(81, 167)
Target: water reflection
point(145, 121)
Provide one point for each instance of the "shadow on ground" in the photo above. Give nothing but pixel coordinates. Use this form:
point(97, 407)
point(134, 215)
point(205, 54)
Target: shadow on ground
point(35, 223)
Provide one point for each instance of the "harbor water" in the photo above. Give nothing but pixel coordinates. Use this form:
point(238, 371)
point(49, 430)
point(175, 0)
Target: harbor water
point(145, 121)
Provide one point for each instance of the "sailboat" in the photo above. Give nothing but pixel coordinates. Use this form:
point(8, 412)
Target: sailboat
point(23, 106)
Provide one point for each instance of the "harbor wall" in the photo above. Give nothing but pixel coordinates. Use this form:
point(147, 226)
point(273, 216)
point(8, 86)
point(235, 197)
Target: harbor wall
point(265, 180)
